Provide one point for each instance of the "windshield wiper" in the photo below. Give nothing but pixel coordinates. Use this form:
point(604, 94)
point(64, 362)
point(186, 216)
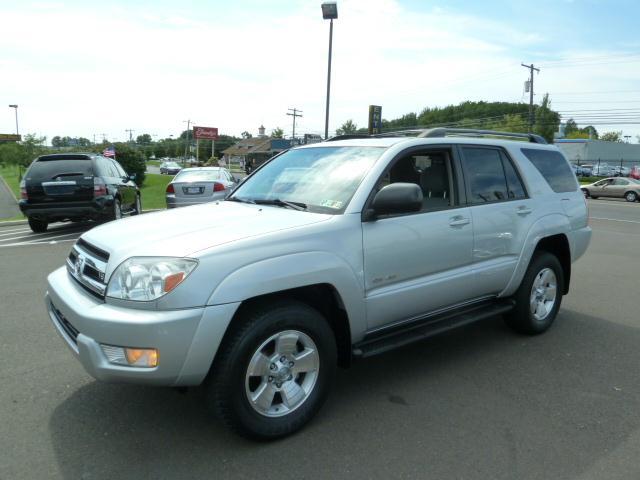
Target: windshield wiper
point(240, 199)
point(282, 203)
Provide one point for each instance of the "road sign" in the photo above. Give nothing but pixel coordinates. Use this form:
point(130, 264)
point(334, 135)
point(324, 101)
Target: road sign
point(375, 119)
point(206, 133)
point(9, 137)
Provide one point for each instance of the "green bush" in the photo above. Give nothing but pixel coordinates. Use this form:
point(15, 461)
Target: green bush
point(132, 160)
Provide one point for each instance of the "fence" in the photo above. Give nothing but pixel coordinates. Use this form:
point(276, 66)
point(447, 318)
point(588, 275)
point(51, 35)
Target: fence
point(605, 167)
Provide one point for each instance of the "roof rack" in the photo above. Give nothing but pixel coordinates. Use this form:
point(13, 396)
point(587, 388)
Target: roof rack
point(470, 132)
point(443, 132)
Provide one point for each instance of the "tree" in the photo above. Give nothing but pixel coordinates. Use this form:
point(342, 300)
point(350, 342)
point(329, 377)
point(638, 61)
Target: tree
point(612, 136)
point(277, 132)
point(246, 134)
point(132, 160)
point(547, 120)
point(144, 139)
point(56, 141)
point(347, 128)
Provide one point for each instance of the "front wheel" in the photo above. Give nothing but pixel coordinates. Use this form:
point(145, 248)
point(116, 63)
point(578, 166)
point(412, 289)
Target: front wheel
point(138, 207)
point(116, 213)
point(274, 370)
point(539, 296)
point(585, 192)
point(631, 197)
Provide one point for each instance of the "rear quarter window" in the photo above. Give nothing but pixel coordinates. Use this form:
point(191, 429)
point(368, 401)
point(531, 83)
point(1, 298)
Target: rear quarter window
point(554, 168)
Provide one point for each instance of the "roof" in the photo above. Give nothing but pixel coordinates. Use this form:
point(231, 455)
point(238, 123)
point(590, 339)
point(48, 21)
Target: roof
point(250, 145)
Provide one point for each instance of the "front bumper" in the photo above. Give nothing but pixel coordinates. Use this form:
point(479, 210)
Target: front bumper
point(187, 339)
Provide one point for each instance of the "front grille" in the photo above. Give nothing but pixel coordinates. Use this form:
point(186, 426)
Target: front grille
point(69, 329)
point(87, 265)
point(97, 252)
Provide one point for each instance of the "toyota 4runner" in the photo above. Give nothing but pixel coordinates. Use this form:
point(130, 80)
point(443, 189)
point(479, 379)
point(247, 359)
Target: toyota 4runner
point(326, 253)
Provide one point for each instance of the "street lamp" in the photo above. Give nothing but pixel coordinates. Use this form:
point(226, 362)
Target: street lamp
point(329, 12)
point(16, 109)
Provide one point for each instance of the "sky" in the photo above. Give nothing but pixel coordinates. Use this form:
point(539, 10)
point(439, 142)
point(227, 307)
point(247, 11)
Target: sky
point(88, 68)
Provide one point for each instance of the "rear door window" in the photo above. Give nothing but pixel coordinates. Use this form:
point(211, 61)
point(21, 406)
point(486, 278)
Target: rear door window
point(514, 184)
point(45, 170)
point(484, 174)
point(554, 168)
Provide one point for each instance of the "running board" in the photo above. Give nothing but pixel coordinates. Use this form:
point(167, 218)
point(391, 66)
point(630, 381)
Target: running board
point(388, 339)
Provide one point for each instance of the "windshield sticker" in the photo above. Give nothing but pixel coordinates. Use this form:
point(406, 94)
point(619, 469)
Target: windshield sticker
point(335, 204)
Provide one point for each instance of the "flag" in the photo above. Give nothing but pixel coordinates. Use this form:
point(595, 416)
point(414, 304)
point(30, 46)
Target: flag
point(109, 152)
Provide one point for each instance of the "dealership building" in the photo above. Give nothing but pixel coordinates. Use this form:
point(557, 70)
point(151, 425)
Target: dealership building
point(593, 152)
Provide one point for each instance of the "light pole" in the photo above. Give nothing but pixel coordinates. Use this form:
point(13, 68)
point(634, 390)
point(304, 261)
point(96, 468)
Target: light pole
point(329, 12)
point(16, 109)
point(186, 147)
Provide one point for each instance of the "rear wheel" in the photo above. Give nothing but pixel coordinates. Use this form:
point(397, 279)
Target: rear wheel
point(38, 226)
point(631, 196)
point(539, 296)
point(273, 371)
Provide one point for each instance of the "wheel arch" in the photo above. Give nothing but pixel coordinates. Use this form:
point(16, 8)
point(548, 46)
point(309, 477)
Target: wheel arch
point(322, 297)
point(558, 245)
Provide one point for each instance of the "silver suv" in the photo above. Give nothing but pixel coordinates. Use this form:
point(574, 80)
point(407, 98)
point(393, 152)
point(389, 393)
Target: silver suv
point(325, 254)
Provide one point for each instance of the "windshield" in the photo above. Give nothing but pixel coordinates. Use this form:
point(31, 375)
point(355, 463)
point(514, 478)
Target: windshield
point(198, 175)
point(633, 180)
point(172, 165)
point(323, 179)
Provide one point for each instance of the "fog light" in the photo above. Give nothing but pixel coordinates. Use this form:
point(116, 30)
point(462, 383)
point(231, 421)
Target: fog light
point(134, 357)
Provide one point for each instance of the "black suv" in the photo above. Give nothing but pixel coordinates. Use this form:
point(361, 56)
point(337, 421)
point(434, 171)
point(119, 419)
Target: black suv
point(78, 186)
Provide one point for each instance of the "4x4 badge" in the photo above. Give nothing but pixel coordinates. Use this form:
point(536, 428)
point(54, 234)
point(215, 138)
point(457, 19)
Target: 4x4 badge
point(79, 265)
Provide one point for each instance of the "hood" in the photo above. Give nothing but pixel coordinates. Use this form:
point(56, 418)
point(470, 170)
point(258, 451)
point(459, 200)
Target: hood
point(183, 231)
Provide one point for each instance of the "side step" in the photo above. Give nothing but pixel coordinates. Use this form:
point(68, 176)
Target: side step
point(394, 337)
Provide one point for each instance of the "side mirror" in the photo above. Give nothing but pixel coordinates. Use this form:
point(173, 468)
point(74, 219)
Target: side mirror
point(396, 198)
point(132, 176)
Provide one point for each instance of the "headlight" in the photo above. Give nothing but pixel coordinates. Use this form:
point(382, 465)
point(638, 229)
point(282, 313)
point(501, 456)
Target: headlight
point(148, 278)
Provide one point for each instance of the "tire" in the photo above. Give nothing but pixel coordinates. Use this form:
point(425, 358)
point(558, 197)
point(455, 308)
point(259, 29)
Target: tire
point(522, 319)
point(116, 213)
point(631, 197)
point(138, 206)
point(593, 196)
point(38, 226)
point(258, 342)
point(586, 193)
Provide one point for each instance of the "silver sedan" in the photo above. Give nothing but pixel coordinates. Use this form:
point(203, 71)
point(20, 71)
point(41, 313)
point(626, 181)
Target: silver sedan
point(193, 186)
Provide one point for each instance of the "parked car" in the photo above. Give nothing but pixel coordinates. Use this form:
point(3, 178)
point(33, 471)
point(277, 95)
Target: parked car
point(619, 171)
point(602, 170)
point(585, 170)
point(627, 188)
point(635, 172)
point(199, 185)
point(370, 244)
point(76, 186)
point(169, 168)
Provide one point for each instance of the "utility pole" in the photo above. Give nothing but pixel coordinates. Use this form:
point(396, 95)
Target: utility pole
point(186, 147)
point(104, 137)
point(296, 113)
point(531, 69)
point(130, 134)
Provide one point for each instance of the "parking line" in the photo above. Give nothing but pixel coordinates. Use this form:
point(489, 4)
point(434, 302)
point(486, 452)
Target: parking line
point(42, 241)
point(11, 232)
point(43, 236)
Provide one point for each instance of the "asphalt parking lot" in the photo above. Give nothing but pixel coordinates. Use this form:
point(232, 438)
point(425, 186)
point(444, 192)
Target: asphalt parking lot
point(480, 402)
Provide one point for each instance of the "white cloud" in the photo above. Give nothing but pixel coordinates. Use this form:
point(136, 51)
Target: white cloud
point(88, 70)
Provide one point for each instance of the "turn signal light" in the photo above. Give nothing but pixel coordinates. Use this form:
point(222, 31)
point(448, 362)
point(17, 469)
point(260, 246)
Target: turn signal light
point(142, 357)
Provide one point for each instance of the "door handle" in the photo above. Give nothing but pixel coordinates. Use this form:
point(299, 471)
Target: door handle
point(523, 210)
point(458, 221)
